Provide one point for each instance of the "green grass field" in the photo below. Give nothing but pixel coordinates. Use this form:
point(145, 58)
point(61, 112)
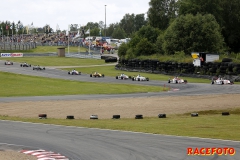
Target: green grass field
point(206, 125)
point(209, 124)
point(22, 85)
point(56, 61)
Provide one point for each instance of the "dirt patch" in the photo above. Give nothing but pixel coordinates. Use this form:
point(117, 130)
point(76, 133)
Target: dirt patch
point(126, 107)
point(14, 155)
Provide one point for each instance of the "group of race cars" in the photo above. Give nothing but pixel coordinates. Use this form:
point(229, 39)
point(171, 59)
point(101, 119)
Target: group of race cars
point(133, 78)
point(175, 80)
point(36, 67)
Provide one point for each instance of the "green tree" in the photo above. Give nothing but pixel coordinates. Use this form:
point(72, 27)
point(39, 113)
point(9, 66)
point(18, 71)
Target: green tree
point(149, 32)
point(161, 12)
point(118, 33)
point(159, 44)
point(122, 50)
point(144, 47)
point(231, 23)
point(140, 21)
point(193, 33)
point(111, 29)
point(128, 24)
point(227, 14)
point(94, 32)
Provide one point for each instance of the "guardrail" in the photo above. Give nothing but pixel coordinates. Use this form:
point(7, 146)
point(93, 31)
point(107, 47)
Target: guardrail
point(17, 46)
point(83, 55)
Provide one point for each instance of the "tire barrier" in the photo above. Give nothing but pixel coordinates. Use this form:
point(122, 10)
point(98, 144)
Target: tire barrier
point(162, 116)
point(225, 113)
point(209, 69)
point(42, 116)
point(94, 117)
point(116, 117)
point(138, 116)
point(70, 117)
point(110, 59)
point(194, 114)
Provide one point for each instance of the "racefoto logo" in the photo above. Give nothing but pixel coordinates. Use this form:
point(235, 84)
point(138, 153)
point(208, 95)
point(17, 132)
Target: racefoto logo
point(210, 151)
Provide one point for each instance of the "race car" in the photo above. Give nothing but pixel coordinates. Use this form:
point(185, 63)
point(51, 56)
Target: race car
point(177, 80)
point(8, 63)
point(25, 65)
point(123, 76)
point(38, 68)
point(74, 72)
point(140, 78)
point(222, 81)
point(96, 74)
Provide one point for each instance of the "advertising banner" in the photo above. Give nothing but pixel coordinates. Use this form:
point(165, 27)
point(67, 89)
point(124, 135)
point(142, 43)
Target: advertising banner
point(11, 54)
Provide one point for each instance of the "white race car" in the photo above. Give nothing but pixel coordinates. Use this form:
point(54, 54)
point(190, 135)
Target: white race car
point(140, 78)
point(8, 63)
point(222, 81)
point(177, 80)
point(74, 72)
point(38, 68)
point(123, 76)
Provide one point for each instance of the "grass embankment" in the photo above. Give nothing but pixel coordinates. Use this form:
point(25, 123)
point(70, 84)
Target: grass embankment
point(22, 85)
point(209, 124)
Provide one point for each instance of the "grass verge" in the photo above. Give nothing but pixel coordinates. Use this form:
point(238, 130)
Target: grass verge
point(56, 61)
point(210, 125)
point(22, 85)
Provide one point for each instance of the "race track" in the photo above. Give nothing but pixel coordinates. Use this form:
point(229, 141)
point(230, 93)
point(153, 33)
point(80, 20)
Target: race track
point(94, 144)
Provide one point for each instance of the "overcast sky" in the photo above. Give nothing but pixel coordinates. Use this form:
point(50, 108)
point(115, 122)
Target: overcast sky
point(65, 12)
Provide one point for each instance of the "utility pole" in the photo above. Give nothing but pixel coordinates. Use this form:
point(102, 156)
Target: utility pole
point(105, 21)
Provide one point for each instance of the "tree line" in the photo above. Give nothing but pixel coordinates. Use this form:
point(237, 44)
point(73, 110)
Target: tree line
point(170, 26)
point(186, 26)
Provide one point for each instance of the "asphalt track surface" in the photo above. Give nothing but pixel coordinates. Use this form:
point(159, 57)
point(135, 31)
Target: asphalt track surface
point(88, 144)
